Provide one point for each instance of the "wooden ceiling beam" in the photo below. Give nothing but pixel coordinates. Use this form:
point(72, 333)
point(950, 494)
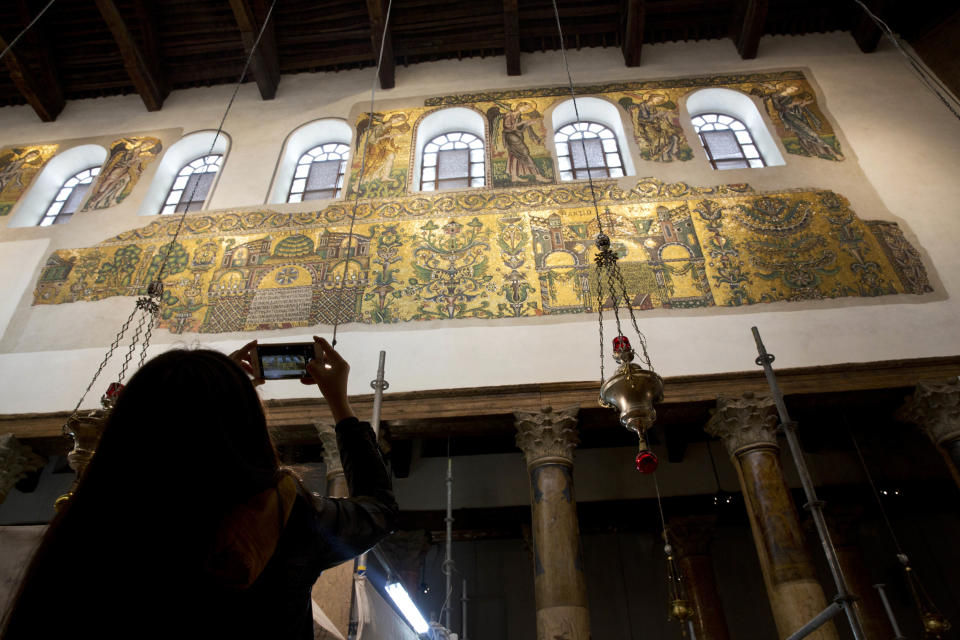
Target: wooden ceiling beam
point(864, 30)
point(511, 36)
point(380, 37)
point(41, 90)
point(748, 36)
point(32, 68)
point(265, 62)
point(141, 64)
point(633, 26)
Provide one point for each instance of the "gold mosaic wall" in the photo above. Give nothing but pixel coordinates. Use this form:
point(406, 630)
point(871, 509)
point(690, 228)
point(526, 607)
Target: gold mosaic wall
point(18, 167)
point(127, 161)
point(494, 255)
point(522, 246)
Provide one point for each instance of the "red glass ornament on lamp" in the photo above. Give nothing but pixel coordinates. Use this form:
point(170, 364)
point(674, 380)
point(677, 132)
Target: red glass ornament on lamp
point(620, 344)
point(647, 461)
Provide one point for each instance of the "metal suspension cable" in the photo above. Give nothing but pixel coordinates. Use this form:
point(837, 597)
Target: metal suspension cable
point(216, 137)
point(27, 28)
point(363, 166)
point(616, 285)
point(151, 304)
point(933, 83)
point(876, 494)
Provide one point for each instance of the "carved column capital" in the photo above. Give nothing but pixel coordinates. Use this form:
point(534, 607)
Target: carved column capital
point(745, 422)
point(935, 408)
point(691, 535)
point(331, 454)
point(547, 435)
point(16, 461)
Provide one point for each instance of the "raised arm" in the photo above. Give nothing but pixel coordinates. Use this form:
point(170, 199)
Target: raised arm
point(346, 527)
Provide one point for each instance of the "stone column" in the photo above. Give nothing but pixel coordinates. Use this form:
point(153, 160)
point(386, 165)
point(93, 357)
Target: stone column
point(333, 590)
point(935, 408)
point(844, 529)
point(17, 460)
point(747, 426)
point(690, 537)
point(547, 438)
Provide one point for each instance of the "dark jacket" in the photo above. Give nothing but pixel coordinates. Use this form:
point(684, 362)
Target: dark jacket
point(131, 579)
point(320, 533)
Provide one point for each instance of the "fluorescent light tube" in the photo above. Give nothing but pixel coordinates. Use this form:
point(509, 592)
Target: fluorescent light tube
point(407, 608)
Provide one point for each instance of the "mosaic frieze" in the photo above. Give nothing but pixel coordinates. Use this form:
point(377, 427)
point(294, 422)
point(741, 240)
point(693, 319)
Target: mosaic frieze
point(127, 161)
point(788, 97)
point(519, 255)
point(18, 167)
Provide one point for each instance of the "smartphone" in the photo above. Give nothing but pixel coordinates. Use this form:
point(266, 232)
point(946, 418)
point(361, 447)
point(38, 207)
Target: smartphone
point(286, 360)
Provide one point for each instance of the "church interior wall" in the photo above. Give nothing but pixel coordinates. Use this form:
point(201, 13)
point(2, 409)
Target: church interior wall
point(898, 140)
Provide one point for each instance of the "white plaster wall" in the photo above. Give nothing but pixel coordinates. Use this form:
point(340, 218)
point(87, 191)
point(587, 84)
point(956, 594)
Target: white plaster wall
point(901, 164)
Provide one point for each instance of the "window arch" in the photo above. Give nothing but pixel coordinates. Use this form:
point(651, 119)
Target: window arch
point(192, 185)
point(727, 141)
point(728, 118)
point(48, 185)
point(453, 161)
point(68, 199)
point(607, 156)
point(178, 156)
point(587, 149)
point(307, 139)
point(449, 128)
point(320, 172)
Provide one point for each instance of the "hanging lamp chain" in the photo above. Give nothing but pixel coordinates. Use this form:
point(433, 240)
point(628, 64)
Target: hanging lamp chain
point(148, 306)
point(340, 308)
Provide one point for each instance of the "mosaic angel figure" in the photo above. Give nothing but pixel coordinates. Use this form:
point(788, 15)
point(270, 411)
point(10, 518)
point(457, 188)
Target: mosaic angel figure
point(14, 162)
point(657, 127)
point(382, 136)
point(792, 104)
point(128, 158)
point(510, 124)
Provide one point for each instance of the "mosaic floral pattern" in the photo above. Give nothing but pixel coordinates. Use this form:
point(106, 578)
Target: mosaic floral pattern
point(520, 254)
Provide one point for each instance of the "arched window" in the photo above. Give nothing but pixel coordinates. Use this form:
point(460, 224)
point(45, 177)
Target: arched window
point(452, 161)
point(192, 184)
point(68, 199)
point(319, 173)
point(299, 172)
point(727, 141)
point(39, 206)
point(450, 150)
point(168, 178)
point(587, 148)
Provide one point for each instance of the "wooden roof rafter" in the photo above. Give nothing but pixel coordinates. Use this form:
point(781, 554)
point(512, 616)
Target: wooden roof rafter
point(142, 63)
point(265, 63)
point(633, 25)
point(381, 37)
point(511, 36)
point(752, 29)
point(31, 68)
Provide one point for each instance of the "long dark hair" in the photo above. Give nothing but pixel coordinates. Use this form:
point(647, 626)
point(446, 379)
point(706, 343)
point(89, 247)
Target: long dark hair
point(186, 442)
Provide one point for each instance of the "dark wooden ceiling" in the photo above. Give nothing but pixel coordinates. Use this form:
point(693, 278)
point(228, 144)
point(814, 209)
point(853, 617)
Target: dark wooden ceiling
point(90, 48)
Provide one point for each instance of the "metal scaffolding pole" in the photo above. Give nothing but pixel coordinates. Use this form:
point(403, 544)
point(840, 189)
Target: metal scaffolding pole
point(379, 385)
point(815, 506)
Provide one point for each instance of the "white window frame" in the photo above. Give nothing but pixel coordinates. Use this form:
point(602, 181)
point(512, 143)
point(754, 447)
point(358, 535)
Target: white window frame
point(568, 137)
point(177, 156)
point(442, 121)
point(320, 153)
point(454, 140)
point(301, 140)
point(55, 211)
point(596, 110)
point(181, 184)
point(742, 107)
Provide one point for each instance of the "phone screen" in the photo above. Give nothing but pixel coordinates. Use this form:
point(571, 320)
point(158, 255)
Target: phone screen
point(280, 361)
